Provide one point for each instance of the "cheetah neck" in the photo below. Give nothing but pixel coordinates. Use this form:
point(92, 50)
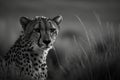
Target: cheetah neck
point(39, 61)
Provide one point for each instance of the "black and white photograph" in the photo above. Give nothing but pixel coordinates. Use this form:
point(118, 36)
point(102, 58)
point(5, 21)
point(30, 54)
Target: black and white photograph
point(59, 39)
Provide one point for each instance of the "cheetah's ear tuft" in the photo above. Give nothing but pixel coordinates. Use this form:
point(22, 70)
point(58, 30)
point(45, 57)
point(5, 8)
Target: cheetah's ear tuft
point(24, 21)
point(58, 19)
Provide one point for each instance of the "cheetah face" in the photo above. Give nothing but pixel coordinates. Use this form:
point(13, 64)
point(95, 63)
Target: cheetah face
point(41, 30)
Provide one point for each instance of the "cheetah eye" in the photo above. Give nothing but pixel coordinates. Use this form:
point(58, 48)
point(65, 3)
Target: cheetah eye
point(37, 30)
point(52, 30)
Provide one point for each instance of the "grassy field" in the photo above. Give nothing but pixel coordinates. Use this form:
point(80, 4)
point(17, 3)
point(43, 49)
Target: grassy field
point(92, 54)
point(91, 57)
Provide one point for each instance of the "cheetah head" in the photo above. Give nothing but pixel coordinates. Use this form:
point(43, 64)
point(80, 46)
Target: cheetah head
point(41, 30)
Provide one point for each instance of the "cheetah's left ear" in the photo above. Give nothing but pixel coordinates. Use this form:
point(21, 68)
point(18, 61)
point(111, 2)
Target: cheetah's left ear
point(58, 19)
point(24, 21)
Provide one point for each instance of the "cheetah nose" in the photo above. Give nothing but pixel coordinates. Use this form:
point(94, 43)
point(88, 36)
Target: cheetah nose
point(46, 41)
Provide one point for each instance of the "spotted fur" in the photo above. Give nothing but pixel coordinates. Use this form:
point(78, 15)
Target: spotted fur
point(30, 50)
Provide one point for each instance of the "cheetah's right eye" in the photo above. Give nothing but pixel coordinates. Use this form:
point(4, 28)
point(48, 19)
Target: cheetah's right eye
point(37, 30)
point(52, 30)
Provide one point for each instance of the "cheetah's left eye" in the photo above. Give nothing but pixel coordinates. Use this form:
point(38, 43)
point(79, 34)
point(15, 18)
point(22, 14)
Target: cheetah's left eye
point(52, 30)
point(37, 30)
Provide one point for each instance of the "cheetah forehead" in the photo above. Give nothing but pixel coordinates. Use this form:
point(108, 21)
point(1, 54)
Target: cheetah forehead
point(45, 21)
point(40, 17)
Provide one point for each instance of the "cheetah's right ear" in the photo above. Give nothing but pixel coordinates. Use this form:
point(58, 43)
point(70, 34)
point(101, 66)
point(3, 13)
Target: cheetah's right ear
point(58, 19)
point(24, 21)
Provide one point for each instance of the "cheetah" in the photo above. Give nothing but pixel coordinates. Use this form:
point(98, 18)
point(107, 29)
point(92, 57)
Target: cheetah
point(30, 50)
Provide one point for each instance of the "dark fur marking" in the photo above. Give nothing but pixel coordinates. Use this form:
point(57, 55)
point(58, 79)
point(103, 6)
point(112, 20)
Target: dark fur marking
point(36, 69)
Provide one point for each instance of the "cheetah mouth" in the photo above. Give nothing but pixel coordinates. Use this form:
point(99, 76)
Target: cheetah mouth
point(43, 46)
point(47, 46)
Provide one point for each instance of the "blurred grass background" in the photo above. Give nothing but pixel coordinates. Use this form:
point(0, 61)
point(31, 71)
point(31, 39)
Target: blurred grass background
point(88, 43)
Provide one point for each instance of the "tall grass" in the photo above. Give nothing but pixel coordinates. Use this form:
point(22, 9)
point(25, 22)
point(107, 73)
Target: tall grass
point(94, 55)
point(96, 59)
